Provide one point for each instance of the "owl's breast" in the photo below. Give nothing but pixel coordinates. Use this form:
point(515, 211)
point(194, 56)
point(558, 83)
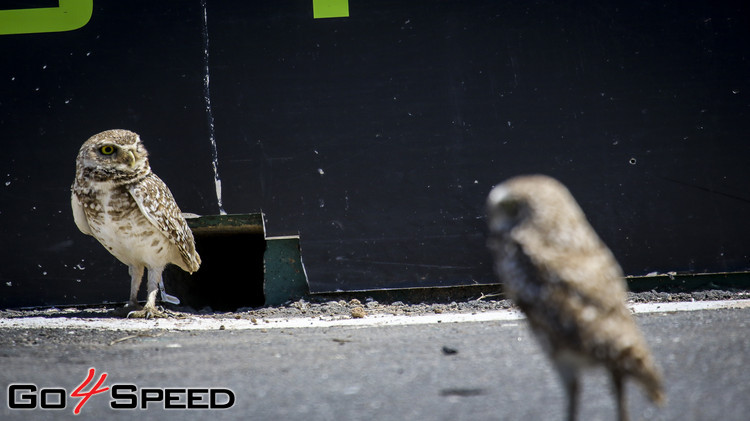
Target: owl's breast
point(119, 225)
point(520, 279)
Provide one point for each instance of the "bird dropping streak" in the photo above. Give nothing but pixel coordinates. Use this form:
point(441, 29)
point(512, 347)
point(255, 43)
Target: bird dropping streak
point(209, 112)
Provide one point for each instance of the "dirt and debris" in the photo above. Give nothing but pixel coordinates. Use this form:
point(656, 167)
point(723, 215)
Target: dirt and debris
point(354, 308)
point(358, 312)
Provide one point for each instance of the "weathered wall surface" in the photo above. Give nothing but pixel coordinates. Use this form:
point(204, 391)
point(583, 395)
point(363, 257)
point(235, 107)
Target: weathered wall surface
point(378, 135)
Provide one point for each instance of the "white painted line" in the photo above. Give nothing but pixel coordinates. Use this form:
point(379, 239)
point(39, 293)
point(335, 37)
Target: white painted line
point(203, 323)
point(688, 306)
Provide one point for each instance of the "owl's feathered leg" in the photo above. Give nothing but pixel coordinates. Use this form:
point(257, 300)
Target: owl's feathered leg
point(150, 310)
point(618, 381)
point(136, 274)
point(569, 377)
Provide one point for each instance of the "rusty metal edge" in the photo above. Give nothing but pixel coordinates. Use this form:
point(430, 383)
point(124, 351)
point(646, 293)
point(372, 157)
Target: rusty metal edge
point(248, 223)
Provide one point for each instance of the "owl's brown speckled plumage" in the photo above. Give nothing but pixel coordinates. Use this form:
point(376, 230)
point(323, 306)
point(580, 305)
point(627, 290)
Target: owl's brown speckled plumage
point(569, 285)
point(120, 202)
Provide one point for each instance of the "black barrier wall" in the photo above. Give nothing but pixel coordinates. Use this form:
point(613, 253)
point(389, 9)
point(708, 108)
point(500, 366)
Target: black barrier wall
point(378, 135)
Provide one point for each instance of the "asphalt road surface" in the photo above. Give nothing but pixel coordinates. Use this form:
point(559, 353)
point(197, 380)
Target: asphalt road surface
point(489, 370)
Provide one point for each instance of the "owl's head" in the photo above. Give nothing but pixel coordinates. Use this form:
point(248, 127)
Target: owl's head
point(114, 152)
point(535, 206)
point(508, 204)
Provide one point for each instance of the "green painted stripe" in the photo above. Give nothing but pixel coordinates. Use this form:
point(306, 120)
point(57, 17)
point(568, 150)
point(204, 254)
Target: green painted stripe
point(330, 9)
point(70, 15)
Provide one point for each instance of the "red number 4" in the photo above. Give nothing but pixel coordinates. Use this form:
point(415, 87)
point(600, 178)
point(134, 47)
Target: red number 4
point(93, 391)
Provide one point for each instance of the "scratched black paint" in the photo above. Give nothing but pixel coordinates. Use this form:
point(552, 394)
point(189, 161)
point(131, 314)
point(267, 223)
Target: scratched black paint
point(377, 136)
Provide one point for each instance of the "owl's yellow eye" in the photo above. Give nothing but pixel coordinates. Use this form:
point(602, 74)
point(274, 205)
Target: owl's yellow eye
point(107, 150)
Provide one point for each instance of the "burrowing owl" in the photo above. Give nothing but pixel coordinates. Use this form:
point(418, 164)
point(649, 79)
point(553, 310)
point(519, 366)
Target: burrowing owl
point(120, 202)
point(569, 285)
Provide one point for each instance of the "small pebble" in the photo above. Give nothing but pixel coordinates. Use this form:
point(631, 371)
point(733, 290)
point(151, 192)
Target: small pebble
point(358, 312)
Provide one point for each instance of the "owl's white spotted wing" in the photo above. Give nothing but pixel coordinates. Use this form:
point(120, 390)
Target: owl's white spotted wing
point(572, 256)
point(158, 206)
point(587, 277)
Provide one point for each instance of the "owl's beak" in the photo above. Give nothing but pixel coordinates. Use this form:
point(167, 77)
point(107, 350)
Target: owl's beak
point(131, 159)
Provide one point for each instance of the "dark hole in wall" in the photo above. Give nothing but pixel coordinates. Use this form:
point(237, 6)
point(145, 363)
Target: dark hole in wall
point(230, 276)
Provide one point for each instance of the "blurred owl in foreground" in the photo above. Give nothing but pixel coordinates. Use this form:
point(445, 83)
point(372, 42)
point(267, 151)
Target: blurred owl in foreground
point(569, 285)
point(120, 202)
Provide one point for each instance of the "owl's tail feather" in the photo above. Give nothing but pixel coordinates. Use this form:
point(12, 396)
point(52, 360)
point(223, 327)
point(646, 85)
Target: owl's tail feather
point(190, 261)
point(655, 390)
point(649, 376)
point(195, 262)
